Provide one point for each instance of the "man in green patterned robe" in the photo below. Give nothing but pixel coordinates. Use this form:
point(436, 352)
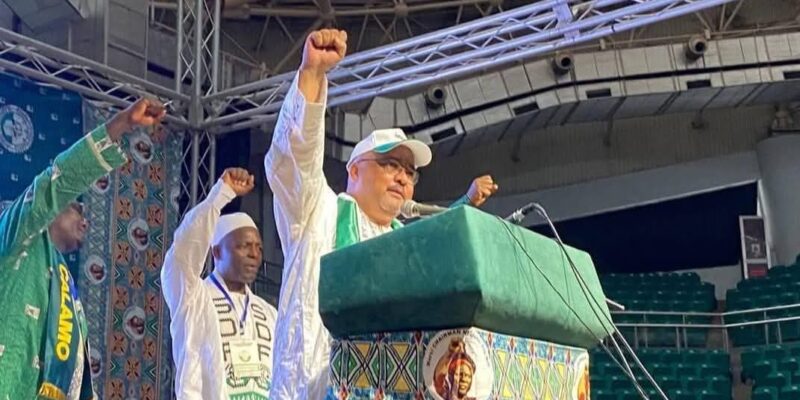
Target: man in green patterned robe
point(43, 334)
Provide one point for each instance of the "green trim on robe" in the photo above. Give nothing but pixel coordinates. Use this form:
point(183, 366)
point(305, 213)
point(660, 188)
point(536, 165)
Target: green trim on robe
point(347, 220)
point(347, 231)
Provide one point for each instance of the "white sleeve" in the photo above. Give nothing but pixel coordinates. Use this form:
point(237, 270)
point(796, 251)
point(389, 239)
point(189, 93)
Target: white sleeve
point(294, 162)
point(183, 264)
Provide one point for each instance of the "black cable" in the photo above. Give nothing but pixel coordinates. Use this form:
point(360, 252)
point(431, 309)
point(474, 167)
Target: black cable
point(593, 302)
point(629, 371)
point(585, 288)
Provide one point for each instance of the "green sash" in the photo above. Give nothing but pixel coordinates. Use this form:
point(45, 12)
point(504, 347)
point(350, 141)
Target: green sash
point(347, 231)
point(66, 331)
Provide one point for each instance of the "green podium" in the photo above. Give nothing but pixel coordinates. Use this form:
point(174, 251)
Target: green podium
point(462, 305)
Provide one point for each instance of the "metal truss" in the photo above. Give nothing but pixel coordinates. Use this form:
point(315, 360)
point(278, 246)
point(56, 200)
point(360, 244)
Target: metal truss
point(197, 168)
point(491, 42)
point(389, 21)
point(198, 51)
point(198, 106)
point(197, 73)
point(49, 64)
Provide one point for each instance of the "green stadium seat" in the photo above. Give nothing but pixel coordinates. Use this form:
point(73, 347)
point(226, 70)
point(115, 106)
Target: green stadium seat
point(718, 355)
point(790, 392)
point(603, 395)
point(602, 367)
point(713, 369)
point(765, 393)
point(793, 351)
point(671, 356)
point(669, 382)
point(628, 394)
point(686, 369)
point(711, 395)
point(693, 383)
point(789, 365)
point(662, 370)
point(789, 297)
point(598, 382)
point(750, 356)
point(773, 379)
point(775, 352)
point(790, 330)
point(681, 395)
point(653, 393)
point(618, 382)
point(598, 356)
point(719, 384)
point(758, 370)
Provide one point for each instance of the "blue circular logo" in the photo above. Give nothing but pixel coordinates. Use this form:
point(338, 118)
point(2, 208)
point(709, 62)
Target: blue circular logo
point(16, 129)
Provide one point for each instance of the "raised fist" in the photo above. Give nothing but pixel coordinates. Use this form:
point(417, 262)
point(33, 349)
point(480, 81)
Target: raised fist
point(239, 180)
point(323, 50)
point(144, 112)
point(481, 189)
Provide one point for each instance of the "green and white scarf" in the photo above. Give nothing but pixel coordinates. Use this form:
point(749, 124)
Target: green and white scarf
point(347, 229)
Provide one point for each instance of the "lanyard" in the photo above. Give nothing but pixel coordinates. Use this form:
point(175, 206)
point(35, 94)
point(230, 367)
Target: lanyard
point(233, 305)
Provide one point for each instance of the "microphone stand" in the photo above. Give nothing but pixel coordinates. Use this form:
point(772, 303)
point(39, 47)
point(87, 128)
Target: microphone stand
point(622, 339)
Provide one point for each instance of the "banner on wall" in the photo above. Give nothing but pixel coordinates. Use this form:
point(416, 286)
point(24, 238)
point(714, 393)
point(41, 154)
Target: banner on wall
point(37, 122)
point(133, 212)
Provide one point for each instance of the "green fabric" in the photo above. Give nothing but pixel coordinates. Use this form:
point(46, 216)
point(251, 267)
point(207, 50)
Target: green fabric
point(347, 231)
point(461, 201)
point(462, 268)
point(66, 332)
point(29, 262)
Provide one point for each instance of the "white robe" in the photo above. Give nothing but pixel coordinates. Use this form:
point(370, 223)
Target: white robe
point(305, 215)
point(197, 342)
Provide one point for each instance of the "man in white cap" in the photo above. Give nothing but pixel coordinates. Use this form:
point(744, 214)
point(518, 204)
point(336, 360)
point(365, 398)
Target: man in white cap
point(312, 220)
point(222, 333)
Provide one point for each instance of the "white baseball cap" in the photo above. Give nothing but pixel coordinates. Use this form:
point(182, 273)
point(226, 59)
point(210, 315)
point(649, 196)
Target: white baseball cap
point(384, 140)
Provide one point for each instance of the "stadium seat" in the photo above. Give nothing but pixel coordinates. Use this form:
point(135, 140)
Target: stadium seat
point(773, 379)
point(765, 393)
point(603, 394)
point(681, 395)
point(790, 392)
point(789, 365)
point(686, 373)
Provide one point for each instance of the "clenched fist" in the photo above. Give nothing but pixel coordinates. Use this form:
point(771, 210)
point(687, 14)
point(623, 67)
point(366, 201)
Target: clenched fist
point(239, 180)
point(323, 50)
point(144, 112)
point(481, 189)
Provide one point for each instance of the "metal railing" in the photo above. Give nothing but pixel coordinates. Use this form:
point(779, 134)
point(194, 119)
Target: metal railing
point(718, 321)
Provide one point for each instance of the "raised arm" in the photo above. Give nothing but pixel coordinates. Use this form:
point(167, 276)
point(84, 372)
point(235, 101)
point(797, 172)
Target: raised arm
point(71, 174)
point(294, 161)
point(479, 191)
point(185, 259)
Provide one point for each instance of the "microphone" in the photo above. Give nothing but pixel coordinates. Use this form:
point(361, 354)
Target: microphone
point(517, 216)
point(412, 209)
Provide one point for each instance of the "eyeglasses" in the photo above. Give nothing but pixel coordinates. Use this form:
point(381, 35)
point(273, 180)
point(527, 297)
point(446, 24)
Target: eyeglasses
point(393, 166)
